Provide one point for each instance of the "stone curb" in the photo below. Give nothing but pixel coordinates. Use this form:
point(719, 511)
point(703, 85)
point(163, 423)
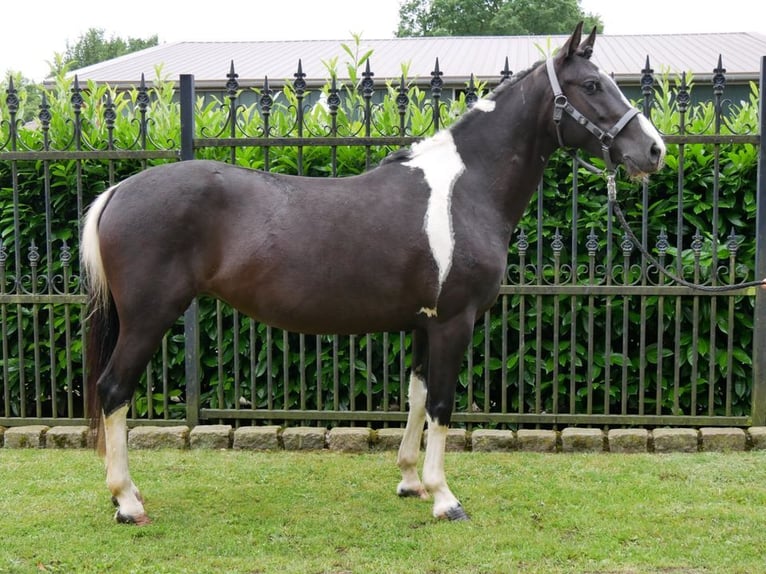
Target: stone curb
point(363, 439)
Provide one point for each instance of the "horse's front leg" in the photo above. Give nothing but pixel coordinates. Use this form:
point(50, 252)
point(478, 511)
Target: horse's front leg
point(125, 495)
point(447, 344)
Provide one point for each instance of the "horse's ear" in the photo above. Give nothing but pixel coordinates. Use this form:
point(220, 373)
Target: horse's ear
point(570, 47)
point(586, 48)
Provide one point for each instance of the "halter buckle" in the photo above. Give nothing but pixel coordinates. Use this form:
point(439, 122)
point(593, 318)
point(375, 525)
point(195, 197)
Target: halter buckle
point(560, 103)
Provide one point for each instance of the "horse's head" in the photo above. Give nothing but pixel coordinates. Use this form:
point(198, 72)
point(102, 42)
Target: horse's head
point(591, 113)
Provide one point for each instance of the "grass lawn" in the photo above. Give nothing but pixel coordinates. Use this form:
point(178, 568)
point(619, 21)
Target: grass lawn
point(285, 512)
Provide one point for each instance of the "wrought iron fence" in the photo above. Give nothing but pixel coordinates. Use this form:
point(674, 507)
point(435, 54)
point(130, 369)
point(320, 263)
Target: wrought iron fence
point(585, 331)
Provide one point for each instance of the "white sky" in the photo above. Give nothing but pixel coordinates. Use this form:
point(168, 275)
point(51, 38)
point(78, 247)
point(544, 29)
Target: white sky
point(32, 33)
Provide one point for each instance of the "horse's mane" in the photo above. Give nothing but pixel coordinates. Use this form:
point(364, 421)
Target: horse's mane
point(402, 155)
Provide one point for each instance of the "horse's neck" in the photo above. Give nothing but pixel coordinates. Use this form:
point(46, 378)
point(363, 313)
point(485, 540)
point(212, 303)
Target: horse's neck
point(507, 167)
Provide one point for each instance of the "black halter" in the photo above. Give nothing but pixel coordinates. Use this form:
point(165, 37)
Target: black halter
point(606, 138)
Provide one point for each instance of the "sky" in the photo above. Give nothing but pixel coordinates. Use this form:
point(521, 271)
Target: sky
point(33, 33)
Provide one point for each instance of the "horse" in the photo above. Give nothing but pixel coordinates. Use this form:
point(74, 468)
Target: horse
point(417, 243)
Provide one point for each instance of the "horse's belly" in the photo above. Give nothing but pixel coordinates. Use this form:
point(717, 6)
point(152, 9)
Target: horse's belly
point(323, 314)
point(320, 300)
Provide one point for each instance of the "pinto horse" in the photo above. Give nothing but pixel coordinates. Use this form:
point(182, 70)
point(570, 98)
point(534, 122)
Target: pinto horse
point(418, 243)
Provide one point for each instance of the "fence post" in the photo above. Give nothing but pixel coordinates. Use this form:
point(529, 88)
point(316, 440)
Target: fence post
point(191, 316)
point(759, 335)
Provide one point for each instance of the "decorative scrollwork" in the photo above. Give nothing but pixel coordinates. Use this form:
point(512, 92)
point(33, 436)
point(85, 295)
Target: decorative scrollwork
point(232, 84)
point(662, 243)
point(299, 84)
point(626, 245)
point(266, 100)
point(33, 255)
point(66, 254)
point(592, 243)
point(683, 97)
point(719, 78)
point(470, 96)
point(522, 243)
point(557, 244)
point(647, 80)
point(732, 244)
point(368, 84)
point(697, 243)
point(436, 81)
point(505, 73)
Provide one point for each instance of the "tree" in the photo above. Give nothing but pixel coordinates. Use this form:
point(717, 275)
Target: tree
point(93, 47)
point(492, 17)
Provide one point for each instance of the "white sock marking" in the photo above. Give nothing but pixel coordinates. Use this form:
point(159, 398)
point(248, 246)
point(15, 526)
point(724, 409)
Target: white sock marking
point(409, 449)
point(441, 164)
point(117, 474)
point(433, 469)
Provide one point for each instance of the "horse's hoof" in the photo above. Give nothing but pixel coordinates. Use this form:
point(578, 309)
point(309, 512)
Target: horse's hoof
point(456, 513)
point(140, 520)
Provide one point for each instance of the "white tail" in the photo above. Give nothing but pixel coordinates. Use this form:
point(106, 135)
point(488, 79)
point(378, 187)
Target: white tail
point(90, 253)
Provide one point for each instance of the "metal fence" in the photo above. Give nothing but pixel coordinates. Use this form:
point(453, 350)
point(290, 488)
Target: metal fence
point(585, 331)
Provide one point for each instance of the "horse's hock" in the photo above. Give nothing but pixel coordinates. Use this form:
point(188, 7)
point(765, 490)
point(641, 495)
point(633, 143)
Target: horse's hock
point(363, 439)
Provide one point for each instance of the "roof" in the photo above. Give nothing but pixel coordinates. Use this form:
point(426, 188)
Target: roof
point(459, 57)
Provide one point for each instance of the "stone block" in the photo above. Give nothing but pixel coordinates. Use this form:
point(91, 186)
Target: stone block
point(32, 436)
point(723, 439)
point(388, 439)
point(582, 440)
point(628, 440)
point(154, 437)
point(675, 440)
point(304, 438)
point(457, 440)
point(349, 439)
point(257, 438)
point(492, 440)
point(214, 437)
point(533, 440)
point(67, 437)
point(757, 437)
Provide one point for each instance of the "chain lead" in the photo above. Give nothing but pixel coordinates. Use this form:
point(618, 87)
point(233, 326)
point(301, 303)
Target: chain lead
point(611, 187)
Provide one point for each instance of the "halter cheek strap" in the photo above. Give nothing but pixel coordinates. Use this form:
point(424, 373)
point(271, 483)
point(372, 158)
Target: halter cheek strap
point(606, 138)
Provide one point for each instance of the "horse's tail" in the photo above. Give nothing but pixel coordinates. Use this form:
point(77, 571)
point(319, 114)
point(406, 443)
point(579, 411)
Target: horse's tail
point(101, 317)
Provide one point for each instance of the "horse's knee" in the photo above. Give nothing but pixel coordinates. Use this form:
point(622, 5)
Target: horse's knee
point(439, 410)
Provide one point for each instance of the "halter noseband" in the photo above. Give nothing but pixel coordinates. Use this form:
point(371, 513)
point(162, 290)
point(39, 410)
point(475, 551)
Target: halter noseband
point(606, 138)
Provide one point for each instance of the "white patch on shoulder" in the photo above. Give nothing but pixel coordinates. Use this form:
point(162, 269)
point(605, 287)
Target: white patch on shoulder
point(484, 105)
point(437, 157)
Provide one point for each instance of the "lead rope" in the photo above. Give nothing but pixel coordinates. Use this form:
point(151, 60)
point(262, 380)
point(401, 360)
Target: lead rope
point(611, 188)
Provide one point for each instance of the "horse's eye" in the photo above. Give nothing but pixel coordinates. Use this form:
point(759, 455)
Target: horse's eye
point(591, 87)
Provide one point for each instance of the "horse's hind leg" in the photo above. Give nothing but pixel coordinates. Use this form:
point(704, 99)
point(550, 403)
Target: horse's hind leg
point(140, 335)
point(409, 450)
